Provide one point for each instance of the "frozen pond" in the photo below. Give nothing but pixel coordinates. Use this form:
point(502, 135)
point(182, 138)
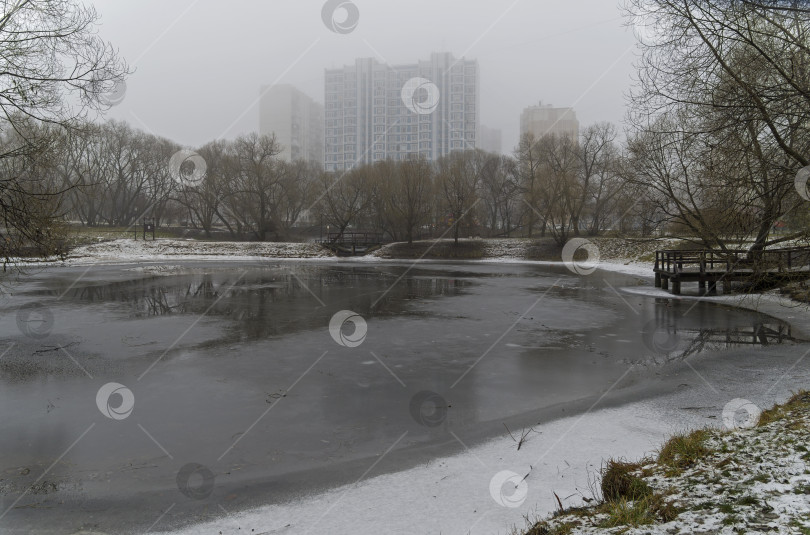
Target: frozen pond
point(231, 391)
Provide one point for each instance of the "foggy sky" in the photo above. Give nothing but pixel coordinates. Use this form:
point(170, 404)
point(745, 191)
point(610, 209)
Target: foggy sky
point(199, 64)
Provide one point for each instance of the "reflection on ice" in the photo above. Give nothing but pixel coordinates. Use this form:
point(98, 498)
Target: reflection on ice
point(679, 330)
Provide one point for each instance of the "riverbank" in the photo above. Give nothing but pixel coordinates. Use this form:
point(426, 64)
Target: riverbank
point(475, 492)
point(754, 478)
point(123, 250)
point(612, 250)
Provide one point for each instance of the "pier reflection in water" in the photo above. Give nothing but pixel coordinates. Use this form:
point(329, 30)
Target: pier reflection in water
point(678, 331)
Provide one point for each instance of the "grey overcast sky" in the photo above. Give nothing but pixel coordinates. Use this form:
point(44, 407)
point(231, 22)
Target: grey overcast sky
point(199, 63)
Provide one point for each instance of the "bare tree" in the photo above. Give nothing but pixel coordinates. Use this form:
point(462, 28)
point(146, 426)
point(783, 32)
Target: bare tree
point(298, 187)
point(669, 165)
point(499, 193)
point(732, 75)
point(126, 179)
point(346, 198)
point(408, 199)
point(202, 199)
point(81, 167)
point(528, 169)
point(160, 184)
point(458, 181)
point(55, 69)
point(600, 183)
point(29, 205)
point(560, 190)
point(253, 196)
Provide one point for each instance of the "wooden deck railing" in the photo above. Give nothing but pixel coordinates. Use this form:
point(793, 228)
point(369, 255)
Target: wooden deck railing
point(713, 266)
point(706, 260)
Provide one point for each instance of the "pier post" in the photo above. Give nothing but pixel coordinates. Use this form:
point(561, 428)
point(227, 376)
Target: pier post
point(665, 283)
point(676, 287)
point(657, 280)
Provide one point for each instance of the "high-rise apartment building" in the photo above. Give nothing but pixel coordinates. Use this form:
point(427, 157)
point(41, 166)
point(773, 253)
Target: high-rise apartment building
point(542, 119)
point(295, 119)
point(376, 111)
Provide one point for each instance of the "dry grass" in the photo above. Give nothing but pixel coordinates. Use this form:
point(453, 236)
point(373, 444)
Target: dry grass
point(682, 451)
point(632, 513)
point(628, 501)
point(801, 400)
point(621, 480)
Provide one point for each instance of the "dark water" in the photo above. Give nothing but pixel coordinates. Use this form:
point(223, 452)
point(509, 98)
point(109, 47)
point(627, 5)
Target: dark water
point(240, 394)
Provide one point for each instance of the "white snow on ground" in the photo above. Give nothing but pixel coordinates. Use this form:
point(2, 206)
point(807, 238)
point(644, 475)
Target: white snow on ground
point(637, 269)
point(127, 250)
point(749, 481)
point(132, 251)
point(454, 494)
point(614, 254)
point(451, 495)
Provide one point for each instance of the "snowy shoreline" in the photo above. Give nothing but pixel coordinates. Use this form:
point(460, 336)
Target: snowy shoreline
point(710, 481)
point(454, 493)
point(128, 251)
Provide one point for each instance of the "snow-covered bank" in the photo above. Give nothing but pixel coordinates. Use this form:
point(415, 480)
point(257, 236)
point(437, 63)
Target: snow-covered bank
point(615, 254)
point(457, 494)
point(747, 480)
point(136, 251)
point(451, 495)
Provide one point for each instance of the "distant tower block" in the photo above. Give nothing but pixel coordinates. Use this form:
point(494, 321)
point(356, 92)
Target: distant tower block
point(295, 119)
point(542, 120)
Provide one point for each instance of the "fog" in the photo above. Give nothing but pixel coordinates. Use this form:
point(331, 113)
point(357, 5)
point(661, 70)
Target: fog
point(199, 64)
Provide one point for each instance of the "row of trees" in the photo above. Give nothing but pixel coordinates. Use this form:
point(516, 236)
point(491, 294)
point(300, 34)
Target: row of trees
point(556, 185)
point(115, 175)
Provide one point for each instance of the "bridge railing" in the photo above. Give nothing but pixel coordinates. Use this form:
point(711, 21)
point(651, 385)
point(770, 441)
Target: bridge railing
point(353, 238)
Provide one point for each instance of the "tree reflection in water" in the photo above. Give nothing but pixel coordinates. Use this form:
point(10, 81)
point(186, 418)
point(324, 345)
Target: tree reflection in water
point(269, 301)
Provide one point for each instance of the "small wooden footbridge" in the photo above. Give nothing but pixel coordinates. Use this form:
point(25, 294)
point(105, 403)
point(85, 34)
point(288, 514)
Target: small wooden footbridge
point(352, 243)
point(712, 267)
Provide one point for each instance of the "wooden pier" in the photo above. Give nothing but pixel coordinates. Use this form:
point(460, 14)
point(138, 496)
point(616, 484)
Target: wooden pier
point(712, 267)
point(352, 243)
